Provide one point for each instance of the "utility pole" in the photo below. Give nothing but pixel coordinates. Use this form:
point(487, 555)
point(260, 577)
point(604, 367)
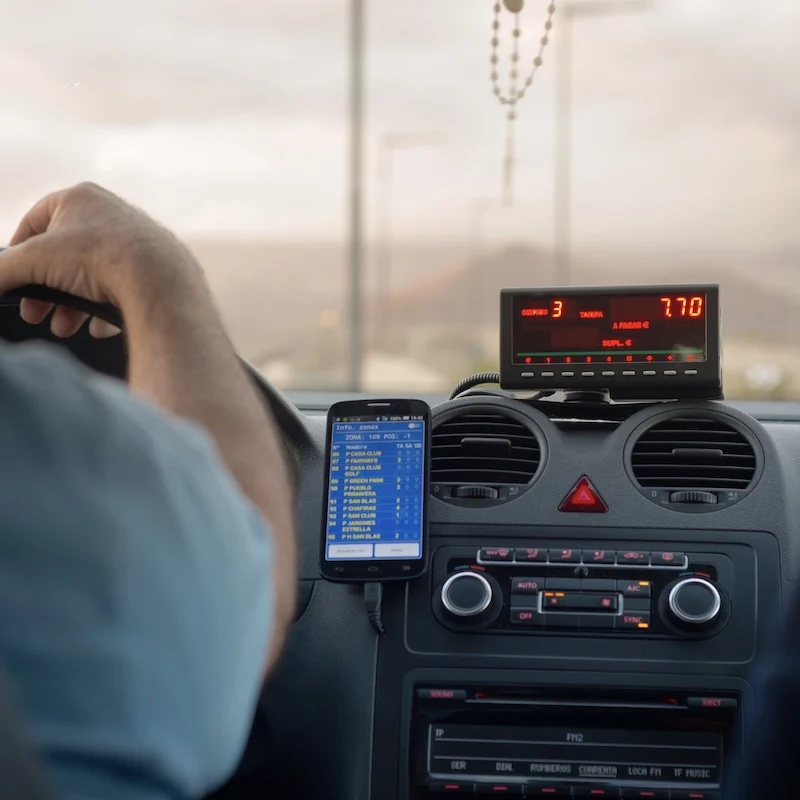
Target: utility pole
point(355, 306)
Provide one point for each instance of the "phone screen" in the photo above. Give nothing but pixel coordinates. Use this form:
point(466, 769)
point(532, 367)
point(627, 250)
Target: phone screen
point(376, 491)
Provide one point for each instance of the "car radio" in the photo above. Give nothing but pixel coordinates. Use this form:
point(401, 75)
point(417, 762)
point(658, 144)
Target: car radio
point(635, 342)
point(599, 591)
point(533, 741)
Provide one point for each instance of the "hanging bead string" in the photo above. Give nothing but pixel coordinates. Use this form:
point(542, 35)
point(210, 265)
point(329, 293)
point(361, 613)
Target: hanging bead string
point(515, 94)
point(510, 157)
point(514, 97)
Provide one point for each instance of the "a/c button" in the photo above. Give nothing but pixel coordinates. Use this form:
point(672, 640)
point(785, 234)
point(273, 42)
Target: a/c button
point(634, 588)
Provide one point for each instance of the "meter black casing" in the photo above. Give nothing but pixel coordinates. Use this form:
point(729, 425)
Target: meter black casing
point(635, 380)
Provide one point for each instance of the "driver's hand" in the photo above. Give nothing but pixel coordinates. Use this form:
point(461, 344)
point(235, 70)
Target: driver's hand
point(91, 243)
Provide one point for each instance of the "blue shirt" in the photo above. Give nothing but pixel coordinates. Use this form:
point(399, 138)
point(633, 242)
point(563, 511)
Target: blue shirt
point(135, 607)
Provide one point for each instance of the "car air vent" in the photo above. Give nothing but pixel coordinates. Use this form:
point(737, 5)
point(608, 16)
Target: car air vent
point(694, 462)
point(483, 456)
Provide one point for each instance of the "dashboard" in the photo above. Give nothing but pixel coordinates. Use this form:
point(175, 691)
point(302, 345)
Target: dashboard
point(631, 627)
point(595, 602)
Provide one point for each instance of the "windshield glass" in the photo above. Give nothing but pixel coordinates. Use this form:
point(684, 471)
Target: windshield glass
point(657, 143)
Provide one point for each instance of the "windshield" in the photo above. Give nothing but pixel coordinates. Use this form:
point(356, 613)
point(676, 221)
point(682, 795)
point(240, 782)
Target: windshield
point(366, 242)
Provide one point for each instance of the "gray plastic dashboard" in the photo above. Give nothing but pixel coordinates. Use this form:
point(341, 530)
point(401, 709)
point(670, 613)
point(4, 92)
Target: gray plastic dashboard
point(773, 506)
point(322, 698)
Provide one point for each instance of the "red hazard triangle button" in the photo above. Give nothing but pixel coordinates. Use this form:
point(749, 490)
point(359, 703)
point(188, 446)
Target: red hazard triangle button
point(583, 498)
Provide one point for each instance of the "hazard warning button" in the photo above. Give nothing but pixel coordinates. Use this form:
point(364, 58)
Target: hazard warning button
point(583, 498)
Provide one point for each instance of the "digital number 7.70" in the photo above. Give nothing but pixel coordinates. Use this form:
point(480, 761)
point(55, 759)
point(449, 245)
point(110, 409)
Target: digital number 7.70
point(683, 306)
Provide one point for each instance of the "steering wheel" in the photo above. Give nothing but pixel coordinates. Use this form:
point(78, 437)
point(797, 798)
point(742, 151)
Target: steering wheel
point(109, 356)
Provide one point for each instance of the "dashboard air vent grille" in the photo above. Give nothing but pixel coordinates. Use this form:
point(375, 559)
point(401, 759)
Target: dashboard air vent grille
point(694, 453)
point(486, 448)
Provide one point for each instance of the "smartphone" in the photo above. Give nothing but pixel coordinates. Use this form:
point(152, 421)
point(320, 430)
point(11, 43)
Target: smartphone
point(377, 476)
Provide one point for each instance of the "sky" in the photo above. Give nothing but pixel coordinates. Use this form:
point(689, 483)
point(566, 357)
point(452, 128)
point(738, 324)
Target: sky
point(229, 118)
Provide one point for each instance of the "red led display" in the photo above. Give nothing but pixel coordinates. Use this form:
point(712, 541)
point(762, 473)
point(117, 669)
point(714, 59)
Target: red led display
point(624, 328)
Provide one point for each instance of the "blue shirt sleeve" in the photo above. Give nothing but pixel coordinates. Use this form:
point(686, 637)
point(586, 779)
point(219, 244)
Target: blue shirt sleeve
point(135, 604)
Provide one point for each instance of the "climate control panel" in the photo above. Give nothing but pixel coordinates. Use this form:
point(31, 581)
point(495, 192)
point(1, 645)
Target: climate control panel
point(633, 592)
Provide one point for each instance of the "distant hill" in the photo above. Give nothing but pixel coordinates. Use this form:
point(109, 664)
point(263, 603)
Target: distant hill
point(468, 295)
point(271, 292)
point(289, 299)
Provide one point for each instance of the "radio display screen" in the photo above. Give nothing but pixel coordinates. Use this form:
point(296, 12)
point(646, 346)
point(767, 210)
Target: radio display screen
point(610, 328)
point(566, 741)
point(575, 754)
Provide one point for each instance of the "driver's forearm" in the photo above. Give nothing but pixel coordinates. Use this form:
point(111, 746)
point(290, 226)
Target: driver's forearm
point(181, 359)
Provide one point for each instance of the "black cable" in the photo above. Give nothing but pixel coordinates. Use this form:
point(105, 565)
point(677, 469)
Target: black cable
point(373, 601)
point(485, 393)
point(475, 380)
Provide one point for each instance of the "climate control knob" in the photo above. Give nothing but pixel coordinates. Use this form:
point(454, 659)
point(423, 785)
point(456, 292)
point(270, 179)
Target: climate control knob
point(467, 596)
point(694, 603)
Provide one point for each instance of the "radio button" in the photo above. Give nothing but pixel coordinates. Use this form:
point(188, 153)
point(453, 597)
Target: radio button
point(668, 558)
point(696, 794)
point(500, 788)
point(496, 554)
point(640, 558)
point(441, 694)
point(646, 794)
point(451, 787)
point(565, 556)
point(526, 617)
point(711, 702)
point(598, 585)
point(600, 791)
point(527, 585)
point(552, 792)
point(530, 555)
point(635, 621)
point(598, 557)
point(634, 588)
point(563, 584)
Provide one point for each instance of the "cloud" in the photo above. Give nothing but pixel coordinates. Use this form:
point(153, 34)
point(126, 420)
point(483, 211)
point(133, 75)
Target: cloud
point(230, 116)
